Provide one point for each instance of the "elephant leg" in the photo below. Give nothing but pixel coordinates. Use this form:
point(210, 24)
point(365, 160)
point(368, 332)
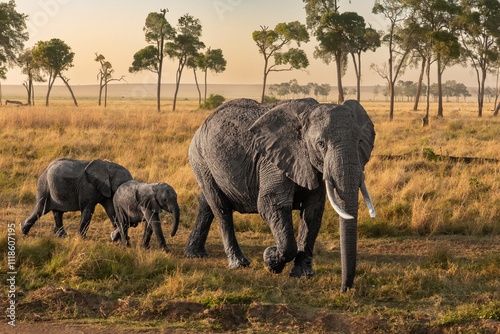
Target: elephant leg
point(146, 238)
point(59, 229)
point(311, 214)
point(195, 246)
point(224, 214)
point(153, 222)
point(87, 213)
point(110, 211)
point(39, 210)
point(281, 223)
point(275, 204)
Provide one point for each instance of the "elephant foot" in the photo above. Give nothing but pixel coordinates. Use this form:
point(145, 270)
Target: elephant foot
point(25, 228)
point(116, 236)
point(302, 267)
point(273, 260)
point(238, 261)
point(193, 252)
point(60, 232)
point(166, 249)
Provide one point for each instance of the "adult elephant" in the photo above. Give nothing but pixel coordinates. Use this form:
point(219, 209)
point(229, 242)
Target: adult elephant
point(76, 185)
point(272, 159)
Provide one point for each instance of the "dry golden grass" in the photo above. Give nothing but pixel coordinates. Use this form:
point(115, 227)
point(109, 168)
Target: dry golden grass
point(410, 277)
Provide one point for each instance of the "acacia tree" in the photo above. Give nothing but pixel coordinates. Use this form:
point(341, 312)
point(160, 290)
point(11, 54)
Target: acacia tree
point(436, 18)
point(212, 60)
point(105, 76)
point(361, 39)
point(54, 57)
point(13, 34)
point(271, 42)
point(157, 31)
point(479, 34)
point(340, 34)
point(185, 46)
point(396, 39)
point(32, 70)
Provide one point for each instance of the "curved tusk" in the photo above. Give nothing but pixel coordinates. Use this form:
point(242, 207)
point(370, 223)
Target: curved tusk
point(334, 203)
point(368, 200)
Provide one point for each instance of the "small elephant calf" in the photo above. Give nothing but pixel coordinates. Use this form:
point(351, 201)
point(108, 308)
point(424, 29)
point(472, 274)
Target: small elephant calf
point(135, 202)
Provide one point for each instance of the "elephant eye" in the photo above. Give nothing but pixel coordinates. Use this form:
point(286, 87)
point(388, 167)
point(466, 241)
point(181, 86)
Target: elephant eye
point(321, 145)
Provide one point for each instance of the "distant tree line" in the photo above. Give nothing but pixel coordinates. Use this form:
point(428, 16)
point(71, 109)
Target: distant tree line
point(292, 89)
point(407, 90)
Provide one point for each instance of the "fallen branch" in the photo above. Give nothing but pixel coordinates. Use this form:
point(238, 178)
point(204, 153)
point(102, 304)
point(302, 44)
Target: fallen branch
point(435, 157)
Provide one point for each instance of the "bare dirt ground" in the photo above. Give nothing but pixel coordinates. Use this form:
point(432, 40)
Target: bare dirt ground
point(226, 317)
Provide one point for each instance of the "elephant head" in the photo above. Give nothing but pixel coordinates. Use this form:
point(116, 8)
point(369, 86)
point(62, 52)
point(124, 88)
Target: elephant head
point(316, 143)
point(158, 197)
point(106, 176)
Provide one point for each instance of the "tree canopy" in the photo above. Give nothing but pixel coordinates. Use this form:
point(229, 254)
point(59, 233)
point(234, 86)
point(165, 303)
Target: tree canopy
point(157, 31)
point(54, 57)
point(271, 42)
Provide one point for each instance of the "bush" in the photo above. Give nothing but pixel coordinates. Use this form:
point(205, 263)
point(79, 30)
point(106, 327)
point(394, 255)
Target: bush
point(270, 99)
point(213, 101)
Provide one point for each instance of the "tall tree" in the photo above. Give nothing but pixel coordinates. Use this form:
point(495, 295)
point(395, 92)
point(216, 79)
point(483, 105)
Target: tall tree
point(185, 45)
point(271, 42)
point(32, 70)
point(437, 17)
point(105, 76)
point(157, 31)
point(13, 34)
point(340, 34)
point(396, 39)
point(479, 34)
point(212, 60)
point(361, 39)
point(54, 57)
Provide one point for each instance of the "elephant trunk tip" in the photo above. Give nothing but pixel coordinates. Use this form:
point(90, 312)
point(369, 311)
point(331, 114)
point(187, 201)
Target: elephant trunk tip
point(176, 214)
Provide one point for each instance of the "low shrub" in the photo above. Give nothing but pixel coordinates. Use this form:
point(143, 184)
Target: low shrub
point(213, 101)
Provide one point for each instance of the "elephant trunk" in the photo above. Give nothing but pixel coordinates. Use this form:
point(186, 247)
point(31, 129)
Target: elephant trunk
point(176, 213)
point(343, 179)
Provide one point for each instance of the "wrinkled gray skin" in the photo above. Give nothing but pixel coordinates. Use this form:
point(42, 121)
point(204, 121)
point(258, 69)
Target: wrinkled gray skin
point(135, 202)
point(76, 185)
point(272, 159)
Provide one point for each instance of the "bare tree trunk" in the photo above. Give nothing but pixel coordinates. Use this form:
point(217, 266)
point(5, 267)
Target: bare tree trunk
point(69, 88)
point(197, 87)
point(480, 97)
point(496, 110)
point(51, 82)
point(100, 90)
point(357, 70)
point(419, 84)
point(425, 120)
point(178, 81)
point(205, 98)
point(338, 61)
point(264, 83)
point(106, 95)
point(440, 86)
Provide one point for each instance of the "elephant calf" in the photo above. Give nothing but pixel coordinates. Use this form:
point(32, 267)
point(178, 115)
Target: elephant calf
point(76, 185)
point(135, 202)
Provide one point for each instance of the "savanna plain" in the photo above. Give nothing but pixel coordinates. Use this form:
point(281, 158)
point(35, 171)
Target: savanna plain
point(428, 263)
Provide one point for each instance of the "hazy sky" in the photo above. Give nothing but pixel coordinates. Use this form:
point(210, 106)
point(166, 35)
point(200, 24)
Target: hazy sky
point(114, 28)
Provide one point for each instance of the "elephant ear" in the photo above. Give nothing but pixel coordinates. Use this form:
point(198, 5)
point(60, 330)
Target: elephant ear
point(277, 137)
point(97, 173)
point(146, 198)
point(366, 128)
